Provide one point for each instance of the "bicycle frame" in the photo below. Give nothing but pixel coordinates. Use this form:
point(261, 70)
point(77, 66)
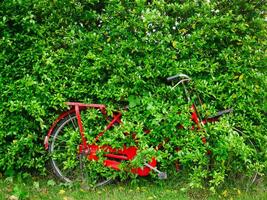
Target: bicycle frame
point(115, 156)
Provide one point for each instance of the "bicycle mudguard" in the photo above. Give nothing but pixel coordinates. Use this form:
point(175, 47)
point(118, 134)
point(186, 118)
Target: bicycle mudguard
point(216, 117)
point(61, 116)
point(72, 105)
point(222, 112)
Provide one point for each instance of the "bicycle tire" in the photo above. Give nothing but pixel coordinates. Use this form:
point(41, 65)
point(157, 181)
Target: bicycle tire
point(66, 161)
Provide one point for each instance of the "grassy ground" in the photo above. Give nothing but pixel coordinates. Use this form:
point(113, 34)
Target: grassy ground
point(42, 188)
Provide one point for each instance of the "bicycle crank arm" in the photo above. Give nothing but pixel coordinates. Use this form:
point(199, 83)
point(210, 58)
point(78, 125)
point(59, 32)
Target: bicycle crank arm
point(161, 175)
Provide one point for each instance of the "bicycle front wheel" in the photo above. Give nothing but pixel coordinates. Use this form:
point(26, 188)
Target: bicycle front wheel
point(66, 160)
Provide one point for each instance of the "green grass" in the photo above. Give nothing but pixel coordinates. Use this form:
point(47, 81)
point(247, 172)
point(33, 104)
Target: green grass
point(43, 188)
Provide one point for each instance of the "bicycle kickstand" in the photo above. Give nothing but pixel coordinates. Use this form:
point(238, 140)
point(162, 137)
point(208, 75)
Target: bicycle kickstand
point(161, 175)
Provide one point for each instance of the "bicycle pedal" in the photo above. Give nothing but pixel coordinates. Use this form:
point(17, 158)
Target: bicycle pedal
point(162, 175)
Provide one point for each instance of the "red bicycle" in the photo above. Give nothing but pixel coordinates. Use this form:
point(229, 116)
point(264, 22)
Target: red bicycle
point(71, 147)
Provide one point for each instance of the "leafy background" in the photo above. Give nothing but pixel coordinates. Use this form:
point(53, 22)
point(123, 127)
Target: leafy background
point(118, 52)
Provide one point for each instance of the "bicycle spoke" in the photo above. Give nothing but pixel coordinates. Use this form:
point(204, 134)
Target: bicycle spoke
point(74, 124)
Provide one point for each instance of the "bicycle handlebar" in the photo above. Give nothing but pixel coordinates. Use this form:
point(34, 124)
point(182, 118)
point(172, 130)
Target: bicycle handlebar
point(183, 76)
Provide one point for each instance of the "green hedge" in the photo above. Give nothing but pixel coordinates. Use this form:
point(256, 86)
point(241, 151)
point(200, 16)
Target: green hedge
point(114, 52)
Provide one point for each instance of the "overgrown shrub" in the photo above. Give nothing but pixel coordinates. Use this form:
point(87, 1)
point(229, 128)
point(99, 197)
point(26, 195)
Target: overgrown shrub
point(114, 52)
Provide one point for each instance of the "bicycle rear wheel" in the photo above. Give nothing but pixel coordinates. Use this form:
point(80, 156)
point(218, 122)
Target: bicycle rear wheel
point(66, 160)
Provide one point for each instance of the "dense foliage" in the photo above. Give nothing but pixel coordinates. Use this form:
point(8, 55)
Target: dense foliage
point(117, 52)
